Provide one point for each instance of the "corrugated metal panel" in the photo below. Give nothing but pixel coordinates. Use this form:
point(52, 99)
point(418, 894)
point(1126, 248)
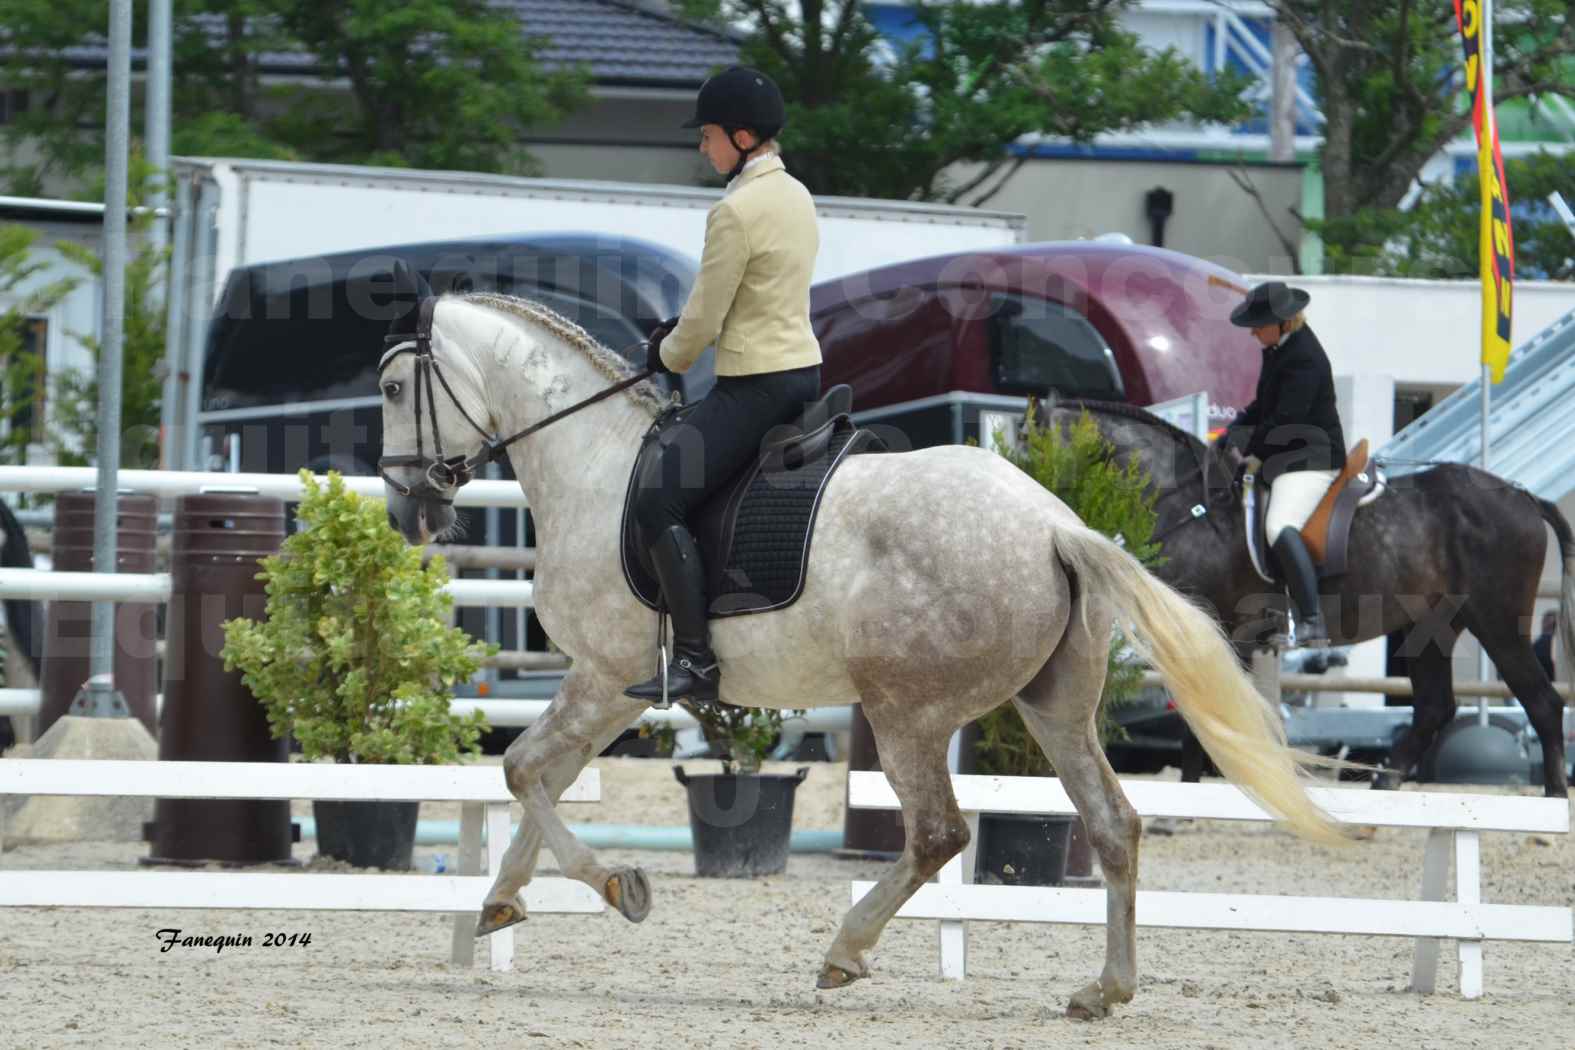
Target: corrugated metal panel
point(1531, 422)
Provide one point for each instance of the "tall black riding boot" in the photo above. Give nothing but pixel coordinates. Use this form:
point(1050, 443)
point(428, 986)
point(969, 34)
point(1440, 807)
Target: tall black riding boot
point(692, 671)
point(1301, 577)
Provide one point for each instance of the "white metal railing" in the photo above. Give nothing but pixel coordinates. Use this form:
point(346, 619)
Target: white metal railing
point(519, 713)
point(188, 482)
point(48, 585)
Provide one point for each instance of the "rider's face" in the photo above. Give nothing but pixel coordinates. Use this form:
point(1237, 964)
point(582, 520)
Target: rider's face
point(718, 150)
point(1267, 334)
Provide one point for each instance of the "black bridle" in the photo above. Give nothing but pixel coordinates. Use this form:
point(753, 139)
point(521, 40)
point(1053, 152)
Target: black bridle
point(440, 474)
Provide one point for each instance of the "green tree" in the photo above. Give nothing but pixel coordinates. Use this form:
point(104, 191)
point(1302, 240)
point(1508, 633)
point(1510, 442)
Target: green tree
point(432, 83)
point(72, 436)
point(56, 115)
point(1438, 236)
point(1079, 466)
point(1387, 83)
point(356, 657)
point(980, 76)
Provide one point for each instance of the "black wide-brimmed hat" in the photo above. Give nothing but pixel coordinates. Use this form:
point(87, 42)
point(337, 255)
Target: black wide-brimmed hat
point(1269, 303)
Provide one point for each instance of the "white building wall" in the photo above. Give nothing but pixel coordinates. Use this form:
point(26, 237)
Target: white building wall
point(1422, 333)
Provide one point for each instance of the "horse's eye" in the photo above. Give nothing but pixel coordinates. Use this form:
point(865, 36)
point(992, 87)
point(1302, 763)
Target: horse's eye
point(391, 390)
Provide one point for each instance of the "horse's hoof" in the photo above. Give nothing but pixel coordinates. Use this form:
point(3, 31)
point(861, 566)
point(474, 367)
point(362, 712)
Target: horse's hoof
point(1091, 1003)
point(629, 891)
point(834, 976)
point(1386, 780)
point(495, 917)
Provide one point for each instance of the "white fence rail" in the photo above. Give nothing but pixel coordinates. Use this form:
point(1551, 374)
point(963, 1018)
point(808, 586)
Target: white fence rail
point(155, 587)
point(186, 482)
point(1455, 823)
point(519, 713)
point(480, 790)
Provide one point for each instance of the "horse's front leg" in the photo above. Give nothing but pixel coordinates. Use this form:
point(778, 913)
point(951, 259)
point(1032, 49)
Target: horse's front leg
point(587, 714)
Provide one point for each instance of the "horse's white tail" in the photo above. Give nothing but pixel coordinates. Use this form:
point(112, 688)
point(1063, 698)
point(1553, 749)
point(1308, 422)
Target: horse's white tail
point(1236, 725)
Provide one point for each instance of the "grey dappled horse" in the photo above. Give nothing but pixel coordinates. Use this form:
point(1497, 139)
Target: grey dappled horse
point(1445, 550)
point(941, 584)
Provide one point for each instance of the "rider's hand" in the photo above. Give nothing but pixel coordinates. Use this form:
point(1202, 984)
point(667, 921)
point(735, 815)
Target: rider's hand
point(653, 348)
point(1253, 465)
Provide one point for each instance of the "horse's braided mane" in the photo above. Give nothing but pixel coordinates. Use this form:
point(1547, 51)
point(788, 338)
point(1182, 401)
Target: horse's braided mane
point(1132, 412)
point(647, 394)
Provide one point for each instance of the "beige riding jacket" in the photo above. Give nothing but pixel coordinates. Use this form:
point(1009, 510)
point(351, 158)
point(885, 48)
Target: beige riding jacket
point(751, 297)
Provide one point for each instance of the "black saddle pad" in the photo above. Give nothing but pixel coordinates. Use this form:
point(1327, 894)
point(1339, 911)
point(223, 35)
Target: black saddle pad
point(754, 532)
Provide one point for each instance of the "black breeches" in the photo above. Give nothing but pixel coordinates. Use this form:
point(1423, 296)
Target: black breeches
point(717, 439)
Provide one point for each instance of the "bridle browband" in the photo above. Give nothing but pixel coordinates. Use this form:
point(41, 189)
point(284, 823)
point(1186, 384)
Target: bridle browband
point(443, 474)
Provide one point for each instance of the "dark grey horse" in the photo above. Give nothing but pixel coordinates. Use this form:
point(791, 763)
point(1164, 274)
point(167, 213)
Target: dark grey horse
point(1446, 550)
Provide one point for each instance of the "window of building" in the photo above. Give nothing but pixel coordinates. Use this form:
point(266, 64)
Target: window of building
point(1037, 346)
point(13, 102)
point(26, 376)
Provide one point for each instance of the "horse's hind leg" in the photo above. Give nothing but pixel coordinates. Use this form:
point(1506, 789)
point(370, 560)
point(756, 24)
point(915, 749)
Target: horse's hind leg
point(913, 755)
point(1058, 707)
point(585, 716)
point(1511, 654)
point(1432, 703)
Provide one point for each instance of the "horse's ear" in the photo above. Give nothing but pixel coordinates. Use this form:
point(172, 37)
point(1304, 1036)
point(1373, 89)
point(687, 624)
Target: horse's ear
point(410, 288)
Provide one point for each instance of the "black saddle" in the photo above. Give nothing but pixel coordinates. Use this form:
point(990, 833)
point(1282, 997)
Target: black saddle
point(754, 531)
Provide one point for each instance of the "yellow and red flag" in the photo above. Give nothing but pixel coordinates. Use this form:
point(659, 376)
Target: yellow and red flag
point(1496, 248)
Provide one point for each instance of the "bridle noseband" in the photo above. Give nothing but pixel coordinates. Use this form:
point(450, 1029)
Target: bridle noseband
point(442, 475)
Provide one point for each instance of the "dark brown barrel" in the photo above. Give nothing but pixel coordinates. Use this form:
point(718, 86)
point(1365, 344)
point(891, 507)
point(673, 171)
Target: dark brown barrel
point(209, 715)
point(877, 831)
point(69, 630)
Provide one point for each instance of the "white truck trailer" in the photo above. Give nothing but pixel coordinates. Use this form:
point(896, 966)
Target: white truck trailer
point(236, 213)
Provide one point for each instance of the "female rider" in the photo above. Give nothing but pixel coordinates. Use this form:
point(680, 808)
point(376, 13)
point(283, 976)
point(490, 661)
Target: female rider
point(751, 299)
point(1293, 432)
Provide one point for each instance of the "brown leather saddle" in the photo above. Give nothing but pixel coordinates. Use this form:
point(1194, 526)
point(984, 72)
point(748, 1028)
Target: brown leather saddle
point(1327, 533)
point(754, 532)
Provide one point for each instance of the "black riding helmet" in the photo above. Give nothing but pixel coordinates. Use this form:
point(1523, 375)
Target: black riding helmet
point(740, 99)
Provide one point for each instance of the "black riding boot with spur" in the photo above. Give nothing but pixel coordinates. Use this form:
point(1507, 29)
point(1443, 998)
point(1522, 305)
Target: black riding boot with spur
point(1301, 577)
point(692, 671)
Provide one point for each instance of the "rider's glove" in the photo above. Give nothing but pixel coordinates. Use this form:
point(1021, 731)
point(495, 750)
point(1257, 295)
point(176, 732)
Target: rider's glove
point(653, 348)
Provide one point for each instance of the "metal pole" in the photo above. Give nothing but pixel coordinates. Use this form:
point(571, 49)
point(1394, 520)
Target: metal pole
point(1484, 666)
point(157, 117)
point(1282, 105)
point(99, 696)
point(172, 417)
point(157, 143)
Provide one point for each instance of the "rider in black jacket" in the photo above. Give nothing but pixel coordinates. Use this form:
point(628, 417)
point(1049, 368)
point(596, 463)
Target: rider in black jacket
point(1291, 436)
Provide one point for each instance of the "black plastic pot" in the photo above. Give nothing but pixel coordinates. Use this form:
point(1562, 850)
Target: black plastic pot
point(742, 823)
point(1022, 849)
point(367, 834)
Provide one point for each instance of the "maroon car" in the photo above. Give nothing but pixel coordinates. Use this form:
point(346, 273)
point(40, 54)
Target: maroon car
point(1082, 318)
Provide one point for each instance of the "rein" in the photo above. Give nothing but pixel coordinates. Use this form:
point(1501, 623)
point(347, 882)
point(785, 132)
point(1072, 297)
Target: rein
point(444, 474)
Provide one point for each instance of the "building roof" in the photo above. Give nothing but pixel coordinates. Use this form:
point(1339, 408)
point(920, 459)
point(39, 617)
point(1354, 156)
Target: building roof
point(621, 43)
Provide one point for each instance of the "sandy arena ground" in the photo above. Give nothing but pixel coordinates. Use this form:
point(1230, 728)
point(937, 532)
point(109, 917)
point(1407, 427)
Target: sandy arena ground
point(732, 964)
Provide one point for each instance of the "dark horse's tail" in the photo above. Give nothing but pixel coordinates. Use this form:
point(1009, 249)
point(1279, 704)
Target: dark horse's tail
point(1566, 538)
point(21, 617)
